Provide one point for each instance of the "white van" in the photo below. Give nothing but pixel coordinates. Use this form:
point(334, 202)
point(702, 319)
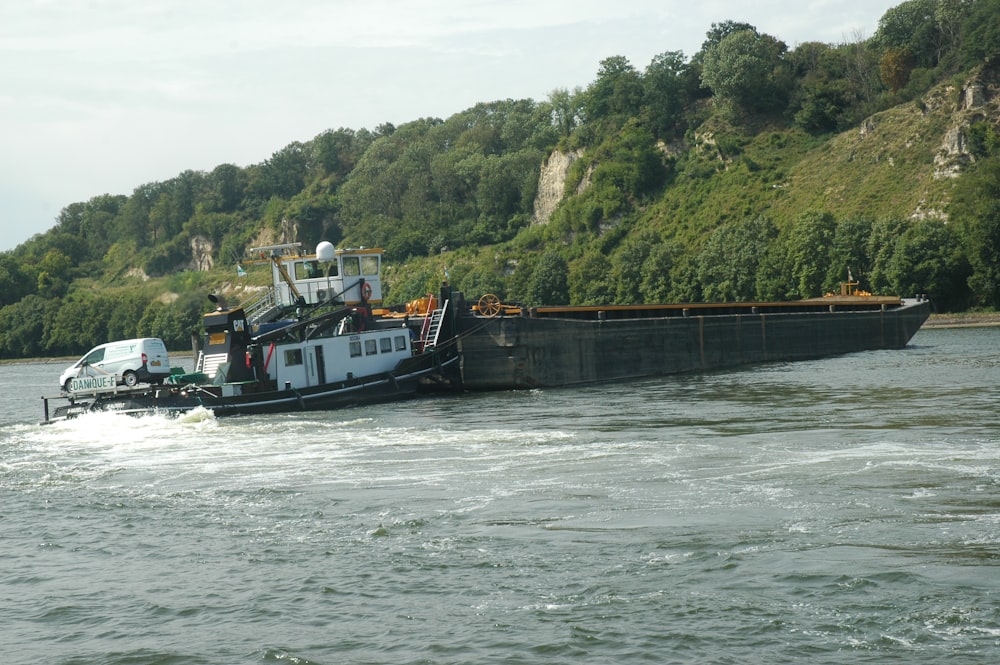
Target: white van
point(129, 361)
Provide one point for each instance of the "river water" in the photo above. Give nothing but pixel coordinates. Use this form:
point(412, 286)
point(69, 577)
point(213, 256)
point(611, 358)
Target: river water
point(845, 510)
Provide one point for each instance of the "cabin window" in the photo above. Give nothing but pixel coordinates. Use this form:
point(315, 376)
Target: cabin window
point(401, 342)
point(355, 349)
point(369, 265)
point(385, 345)
point(293, 357)
point(371, 348)
point(351, 266)
point(307, 270)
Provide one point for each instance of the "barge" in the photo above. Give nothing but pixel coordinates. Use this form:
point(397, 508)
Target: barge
point(503, 347)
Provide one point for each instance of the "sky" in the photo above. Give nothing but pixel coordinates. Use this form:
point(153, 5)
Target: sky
point(103, 96)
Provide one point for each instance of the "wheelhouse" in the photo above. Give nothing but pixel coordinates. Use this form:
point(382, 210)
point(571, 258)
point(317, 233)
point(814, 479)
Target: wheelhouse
point(346, 276)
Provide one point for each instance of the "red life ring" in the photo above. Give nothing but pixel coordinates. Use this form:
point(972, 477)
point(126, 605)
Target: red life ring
point(366, 291)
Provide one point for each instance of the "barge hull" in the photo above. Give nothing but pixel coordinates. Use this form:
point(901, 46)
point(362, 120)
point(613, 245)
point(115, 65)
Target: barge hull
point(558, 350)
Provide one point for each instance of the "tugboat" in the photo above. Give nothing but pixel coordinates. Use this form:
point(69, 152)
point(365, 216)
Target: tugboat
point(313, 340)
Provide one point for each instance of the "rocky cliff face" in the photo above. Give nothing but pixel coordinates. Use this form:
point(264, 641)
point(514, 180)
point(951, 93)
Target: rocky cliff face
point(979, 101)
point(288, 232)
point(552, 183)
point(201, 253)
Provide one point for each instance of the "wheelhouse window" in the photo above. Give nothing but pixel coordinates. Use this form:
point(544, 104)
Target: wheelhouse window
point(352, 267)
point(371, 347)
point(400, 342)
point(385, 345)
point(355, 349)
point(369, 265)
point(293, 357)
point(307, 270)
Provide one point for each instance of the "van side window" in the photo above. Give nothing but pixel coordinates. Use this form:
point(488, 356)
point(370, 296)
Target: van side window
point(95, 356)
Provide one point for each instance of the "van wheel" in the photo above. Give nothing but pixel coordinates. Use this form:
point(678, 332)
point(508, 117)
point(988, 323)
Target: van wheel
point(130, 379)
point(67, 384)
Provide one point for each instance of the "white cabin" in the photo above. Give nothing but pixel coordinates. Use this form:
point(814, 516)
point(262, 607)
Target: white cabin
point(335, 359)
point(347, 276)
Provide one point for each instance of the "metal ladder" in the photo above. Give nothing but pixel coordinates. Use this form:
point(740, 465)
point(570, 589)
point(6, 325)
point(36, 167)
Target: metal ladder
point(264, 308)
point(433, 326)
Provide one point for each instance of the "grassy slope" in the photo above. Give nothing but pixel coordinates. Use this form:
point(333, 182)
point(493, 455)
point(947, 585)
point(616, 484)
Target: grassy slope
point(885, 168)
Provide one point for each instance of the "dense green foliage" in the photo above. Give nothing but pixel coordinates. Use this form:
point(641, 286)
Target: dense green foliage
point(733, 175)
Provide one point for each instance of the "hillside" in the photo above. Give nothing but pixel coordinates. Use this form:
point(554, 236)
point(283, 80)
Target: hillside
point(746, 172)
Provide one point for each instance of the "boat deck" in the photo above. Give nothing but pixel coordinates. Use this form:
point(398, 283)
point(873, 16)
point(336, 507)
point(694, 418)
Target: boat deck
point(606, 312)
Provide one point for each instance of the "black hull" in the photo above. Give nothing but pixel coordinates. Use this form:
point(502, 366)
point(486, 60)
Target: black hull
point(559, 350)
point(410, 379)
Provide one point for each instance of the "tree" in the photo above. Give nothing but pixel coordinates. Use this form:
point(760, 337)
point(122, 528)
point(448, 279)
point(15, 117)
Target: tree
point(14, 283)
point(567, 109)
point(881, 247)
point(731, 258)
point(97, 224)
point(895, 68)
point(718, 32)
point(173, 323)
point(616, 95)
point(849, 253)
point(54, 274)
point(981, 33)
point(76, 325)
point(225, 188)
point(808, 253)
point(976, 208)
point(24, 330)
point(665, 96)
point(283, 175)
point(627, 266)
point(911, 27)
point(656, 283)
point(548, 285)
point(743, 71)
point(950, 16)
point(335, 153)
point(589, 280)
point(928, 259)
point(132, 222)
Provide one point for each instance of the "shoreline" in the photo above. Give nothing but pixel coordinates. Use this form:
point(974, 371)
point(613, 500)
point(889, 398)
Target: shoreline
point(967, 320)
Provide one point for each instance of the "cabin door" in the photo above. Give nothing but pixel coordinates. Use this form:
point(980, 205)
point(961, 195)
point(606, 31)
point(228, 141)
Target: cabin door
point(317, 367)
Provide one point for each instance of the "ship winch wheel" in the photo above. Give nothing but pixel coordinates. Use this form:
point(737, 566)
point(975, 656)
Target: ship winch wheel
point(489, 305)
point(130, 379)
